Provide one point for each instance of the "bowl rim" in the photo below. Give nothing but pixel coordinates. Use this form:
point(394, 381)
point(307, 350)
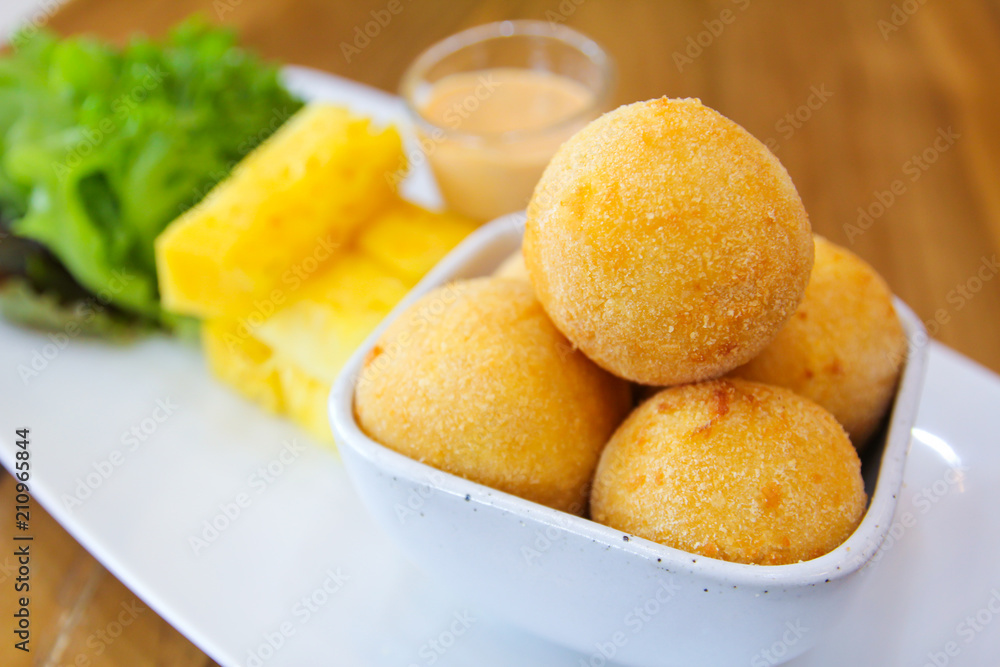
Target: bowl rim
point(849, 557)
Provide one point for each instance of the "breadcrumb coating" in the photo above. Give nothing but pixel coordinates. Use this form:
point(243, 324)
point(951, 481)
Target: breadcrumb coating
point(667, 243)
point(843, 348)
point(734, 470)
point(474, 379)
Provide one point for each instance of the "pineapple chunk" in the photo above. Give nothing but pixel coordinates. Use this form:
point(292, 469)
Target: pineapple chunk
point(287, 362)
point(305, 399)
point(237, 358)
point(410, 240)
point(286, 209)
point(243, 362)
point(277, 260)
point(331, 315)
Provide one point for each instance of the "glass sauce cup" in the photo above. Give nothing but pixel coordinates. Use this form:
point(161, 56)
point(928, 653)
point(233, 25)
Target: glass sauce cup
point(492, 104)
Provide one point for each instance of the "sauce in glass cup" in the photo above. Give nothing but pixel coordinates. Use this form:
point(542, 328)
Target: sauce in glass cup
point(492, 104)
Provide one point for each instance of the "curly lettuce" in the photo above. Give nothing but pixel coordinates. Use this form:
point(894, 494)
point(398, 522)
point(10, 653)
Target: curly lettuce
point(101, 147)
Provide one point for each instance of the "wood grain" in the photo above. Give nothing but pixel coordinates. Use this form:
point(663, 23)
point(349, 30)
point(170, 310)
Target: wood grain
point(889, 90)
point(81, 616)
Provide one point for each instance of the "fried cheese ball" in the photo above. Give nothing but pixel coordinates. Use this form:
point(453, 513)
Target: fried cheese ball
point(843, 348)
point(513, 268)
point(734, 470)
point(667, 243)
point(474, 379)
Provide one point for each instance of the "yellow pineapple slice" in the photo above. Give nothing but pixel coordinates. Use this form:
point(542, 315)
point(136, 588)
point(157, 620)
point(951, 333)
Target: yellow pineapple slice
point(248, 365)
point(237, 358)
point(305, 399)
point(286, 209)
point(331, 315)
point(410, 240)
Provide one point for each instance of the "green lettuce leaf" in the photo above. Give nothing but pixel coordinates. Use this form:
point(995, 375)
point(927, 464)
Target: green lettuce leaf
point(101, 147)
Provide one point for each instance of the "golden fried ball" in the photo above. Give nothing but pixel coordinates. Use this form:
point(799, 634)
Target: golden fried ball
point(735, 470)
point(667, 243)
point(843, 348)
point(474, 379)
point(513, 268)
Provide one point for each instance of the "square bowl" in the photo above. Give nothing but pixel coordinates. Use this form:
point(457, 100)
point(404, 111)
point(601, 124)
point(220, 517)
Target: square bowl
point(607, 594)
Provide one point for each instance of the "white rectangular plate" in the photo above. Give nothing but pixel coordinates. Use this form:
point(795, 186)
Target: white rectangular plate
point(294, 572)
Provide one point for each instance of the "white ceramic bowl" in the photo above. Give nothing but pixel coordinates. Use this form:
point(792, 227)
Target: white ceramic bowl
point(611, 596)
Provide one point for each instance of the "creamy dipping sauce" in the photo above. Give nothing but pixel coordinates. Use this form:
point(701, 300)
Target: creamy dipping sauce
point(496, 130)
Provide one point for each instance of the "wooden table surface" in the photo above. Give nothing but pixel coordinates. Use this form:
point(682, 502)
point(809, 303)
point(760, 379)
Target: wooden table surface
point(886, 119)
